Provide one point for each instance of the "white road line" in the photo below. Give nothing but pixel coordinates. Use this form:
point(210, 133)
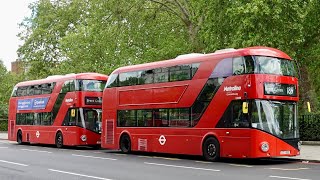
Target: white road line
point(280, 177)
point(204, 162)
point(94, 157)
point(19, 164)
point(76, 174)
point(185, 167)
point(173, 159)
point(241, 165)
point(284, 169)
point(97, 152)
point(146, 157)
point(3, 147)
point(32, 150)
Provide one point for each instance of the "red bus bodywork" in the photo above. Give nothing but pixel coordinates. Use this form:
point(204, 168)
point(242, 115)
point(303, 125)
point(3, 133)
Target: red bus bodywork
point(73, 135)
point(190, 139)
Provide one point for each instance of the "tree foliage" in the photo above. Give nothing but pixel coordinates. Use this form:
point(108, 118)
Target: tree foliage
point(64, 36)
point(8, 81)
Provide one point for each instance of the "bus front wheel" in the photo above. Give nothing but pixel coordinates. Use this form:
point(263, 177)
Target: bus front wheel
point(19, 137)
point(59, 140)
point(211, 149)
point(125, 143)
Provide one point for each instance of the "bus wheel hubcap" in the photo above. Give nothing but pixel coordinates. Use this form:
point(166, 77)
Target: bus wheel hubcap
point(59, 140)
point(211, 149)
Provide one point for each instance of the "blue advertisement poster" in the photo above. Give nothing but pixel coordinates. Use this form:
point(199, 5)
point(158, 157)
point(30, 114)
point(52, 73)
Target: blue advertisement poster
point(32, 104)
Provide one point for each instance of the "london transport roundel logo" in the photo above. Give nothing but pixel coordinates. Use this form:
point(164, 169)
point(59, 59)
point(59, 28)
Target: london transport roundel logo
point(162, 140)
point(38, 134)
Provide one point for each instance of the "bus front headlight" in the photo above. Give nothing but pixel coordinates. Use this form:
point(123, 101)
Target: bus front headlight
point(264, 147)
point(83, 138)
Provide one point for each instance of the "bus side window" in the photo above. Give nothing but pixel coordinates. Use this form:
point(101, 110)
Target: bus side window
point(146, 77)
point(70, 118)
point(238, 66)
point(180, 72)
point(249, 65)
point(30, 90)
point(37, 89)
point(22, 91)
point(161, 75)
point(239, 119)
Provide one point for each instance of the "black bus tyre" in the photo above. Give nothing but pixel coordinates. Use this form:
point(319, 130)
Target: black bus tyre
point(125, 144)
point(211, 149)
point(19, 137)
point(59, 140)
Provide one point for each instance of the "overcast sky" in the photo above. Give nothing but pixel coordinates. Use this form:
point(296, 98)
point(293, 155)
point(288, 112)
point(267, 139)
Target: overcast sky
point(12, 12)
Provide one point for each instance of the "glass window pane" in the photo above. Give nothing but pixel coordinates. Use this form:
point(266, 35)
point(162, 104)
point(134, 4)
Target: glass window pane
point(161, 117)
point(249, 63)
point(128, 79)
point(144, 118)
point(146, 77)
point(179, 117)
point(194, 69)
point(112, 81)
point(180, 73)
point(222, 69)
point(161, 75)
point(127, 118)
point(238, 66)
point(91, 85)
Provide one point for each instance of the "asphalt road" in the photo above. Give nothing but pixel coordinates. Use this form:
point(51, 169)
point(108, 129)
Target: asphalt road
point(32, 162)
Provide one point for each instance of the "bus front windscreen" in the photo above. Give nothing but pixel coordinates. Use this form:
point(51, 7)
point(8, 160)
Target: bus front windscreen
point(277, 118)
point(91, 85)
point(276, 66)
point(91, 119)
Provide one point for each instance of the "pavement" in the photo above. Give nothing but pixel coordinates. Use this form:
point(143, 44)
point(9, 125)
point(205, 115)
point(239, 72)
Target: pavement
point(310, 150)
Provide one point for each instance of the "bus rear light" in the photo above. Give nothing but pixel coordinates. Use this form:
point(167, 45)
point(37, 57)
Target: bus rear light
point(264, 146)
point(83, 138)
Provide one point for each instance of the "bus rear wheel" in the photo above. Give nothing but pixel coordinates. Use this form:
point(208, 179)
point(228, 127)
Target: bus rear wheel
point(19, 137)
point(125, 143)
point(211, 149)
point(59, 140)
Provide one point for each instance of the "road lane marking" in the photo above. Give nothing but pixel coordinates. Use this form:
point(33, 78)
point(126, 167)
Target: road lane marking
point(97, 152)
point(32, 150)
point(241, 165)
point(204, 162)
point(119, 154)
point(19, 164)
point(3, 147)
point(76, 174)
point(145, 157)
point(172, 159)
point(185, 167)
point(281, 177)
point(94, 157)
point(284, 169)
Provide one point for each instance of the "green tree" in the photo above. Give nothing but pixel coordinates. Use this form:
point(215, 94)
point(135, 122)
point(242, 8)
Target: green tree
point(8, 81)
point(64, 36)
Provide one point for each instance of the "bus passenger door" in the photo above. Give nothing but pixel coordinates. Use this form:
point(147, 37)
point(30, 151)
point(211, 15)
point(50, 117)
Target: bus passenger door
point(235, 134)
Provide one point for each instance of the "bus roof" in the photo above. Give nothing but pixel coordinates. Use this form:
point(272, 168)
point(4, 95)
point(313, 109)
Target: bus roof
point(55, 78)
point(195, 57)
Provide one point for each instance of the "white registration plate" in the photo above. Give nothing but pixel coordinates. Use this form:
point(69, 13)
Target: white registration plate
point(284, 152)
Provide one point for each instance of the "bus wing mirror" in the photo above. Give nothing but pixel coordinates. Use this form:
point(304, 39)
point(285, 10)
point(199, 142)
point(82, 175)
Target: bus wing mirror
point(245, 108)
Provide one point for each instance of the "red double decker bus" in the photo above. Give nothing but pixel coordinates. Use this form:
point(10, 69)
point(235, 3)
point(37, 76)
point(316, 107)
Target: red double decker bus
point(239, 103)
point(60, 110)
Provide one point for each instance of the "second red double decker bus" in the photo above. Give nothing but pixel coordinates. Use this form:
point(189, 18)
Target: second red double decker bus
point(239, 103)
point(60, 110)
